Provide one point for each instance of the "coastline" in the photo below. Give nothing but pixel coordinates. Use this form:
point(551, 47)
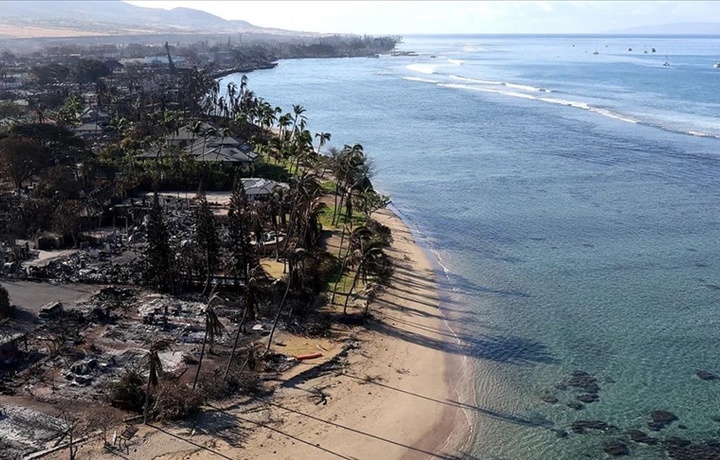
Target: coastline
point(396, 397)
point(459, 367)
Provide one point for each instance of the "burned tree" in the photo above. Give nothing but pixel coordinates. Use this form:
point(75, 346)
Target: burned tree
point(207, 237)
point(242, 253)
point(159, 255)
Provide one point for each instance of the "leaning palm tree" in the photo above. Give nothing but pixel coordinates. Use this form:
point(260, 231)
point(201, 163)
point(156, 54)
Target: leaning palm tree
point(154, 372)
point(298, 254)
point(213, 328)
point(372, 251)
point(251, 288)
point(356, 241)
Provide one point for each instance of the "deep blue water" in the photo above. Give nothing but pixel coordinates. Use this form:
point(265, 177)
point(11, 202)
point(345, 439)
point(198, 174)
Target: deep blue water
point(574, 200)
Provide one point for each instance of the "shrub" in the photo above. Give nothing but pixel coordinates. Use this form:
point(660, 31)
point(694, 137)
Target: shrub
point(128, 393)
point(175, 401)
point(6, 310)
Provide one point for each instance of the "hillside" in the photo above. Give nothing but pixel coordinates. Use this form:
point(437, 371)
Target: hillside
point(36, 19)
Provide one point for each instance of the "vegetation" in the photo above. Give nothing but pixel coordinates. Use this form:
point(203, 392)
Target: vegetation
point(6, 310)
point(270, 253)
point(159, 255)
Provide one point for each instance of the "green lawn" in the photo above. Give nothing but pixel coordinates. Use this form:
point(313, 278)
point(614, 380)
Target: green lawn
point(358, 219)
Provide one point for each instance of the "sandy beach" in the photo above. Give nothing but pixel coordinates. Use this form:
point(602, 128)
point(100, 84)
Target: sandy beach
point(392, 399)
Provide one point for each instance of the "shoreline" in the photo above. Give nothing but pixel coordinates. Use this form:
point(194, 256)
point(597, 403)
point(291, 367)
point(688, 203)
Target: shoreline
point(459, 368)
point(394, 398)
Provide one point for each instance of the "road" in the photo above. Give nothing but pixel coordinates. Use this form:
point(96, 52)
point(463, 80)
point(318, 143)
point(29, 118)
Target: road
point(32, 296)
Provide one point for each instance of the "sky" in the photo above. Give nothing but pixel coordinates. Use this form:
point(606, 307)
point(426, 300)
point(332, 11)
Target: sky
point(437, 17)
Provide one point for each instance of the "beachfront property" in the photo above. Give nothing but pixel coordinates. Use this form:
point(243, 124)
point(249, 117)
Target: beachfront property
point(207, 143)
point(259, 189)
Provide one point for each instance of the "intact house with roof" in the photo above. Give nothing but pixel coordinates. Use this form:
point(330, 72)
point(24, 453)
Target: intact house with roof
point(88, 130)
point(206, 144)
point(92, 114)
point(259, 189)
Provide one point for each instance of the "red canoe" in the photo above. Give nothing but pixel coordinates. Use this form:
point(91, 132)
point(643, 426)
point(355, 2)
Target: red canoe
point(308, 356)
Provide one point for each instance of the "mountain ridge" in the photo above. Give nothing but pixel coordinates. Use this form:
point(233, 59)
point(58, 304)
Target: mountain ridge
point(115, 17)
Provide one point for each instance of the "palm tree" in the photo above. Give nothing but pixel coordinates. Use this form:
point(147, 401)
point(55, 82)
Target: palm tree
point(251, 287)
point(356, 241)
point(284, 122)
point(304, 189)
point(298, 117)
point(372, 251)
point(309, 225)
point(297, 255)
point(154, 372)
point(350, 168)
point(213, 328)
point(324, 137)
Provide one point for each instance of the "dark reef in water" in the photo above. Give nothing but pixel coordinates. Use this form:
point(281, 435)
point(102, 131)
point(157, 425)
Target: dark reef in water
point(673, 447)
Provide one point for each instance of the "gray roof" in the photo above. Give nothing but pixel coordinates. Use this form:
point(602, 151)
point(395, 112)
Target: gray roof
point(258, 186)
point(88, 128)
point(220, 148)
point(226, 154)
point(91, 113)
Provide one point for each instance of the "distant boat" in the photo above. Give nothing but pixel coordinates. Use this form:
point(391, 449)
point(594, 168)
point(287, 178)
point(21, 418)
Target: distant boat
point(629, 49)
point(717, 65)
point(596, 52)
point(666, 64)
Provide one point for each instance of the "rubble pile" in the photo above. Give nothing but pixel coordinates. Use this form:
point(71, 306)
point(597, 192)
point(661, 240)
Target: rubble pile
point(88, 267)
point(23, 430)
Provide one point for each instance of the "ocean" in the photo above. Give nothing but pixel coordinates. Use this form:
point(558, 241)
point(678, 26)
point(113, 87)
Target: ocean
point(569, 191)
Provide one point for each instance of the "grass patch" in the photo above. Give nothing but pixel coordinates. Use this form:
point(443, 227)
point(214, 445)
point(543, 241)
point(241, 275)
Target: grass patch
point(326, 215)
point(328, 186)
point(272, 171)
point(344, 282)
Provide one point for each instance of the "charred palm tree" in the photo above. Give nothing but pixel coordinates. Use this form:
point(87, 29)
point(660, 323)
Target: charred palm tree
point(213, 328)
point(371, 252)
point(357, 240)
point(251, 296)
point(154, 372)
point(296, 256)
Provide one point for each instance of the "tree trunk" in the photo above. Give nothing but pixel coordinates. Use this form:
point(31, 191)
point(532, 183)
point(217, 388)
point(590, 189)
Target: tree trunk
point(337, 192)
point(147, 393)
point(235, 343)
point(352, 287)
point(342, 238)
point(71, 445)
point(337, 281)
point(277, 317)
point(202, 354)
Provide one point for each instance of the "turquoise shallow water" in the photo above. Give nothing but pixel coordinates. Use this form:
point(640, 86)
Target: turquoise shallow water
point(577, 217)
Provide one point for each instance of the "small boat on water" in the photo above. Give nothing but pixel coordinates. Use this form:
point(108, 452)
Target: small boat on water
point(717, 65)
